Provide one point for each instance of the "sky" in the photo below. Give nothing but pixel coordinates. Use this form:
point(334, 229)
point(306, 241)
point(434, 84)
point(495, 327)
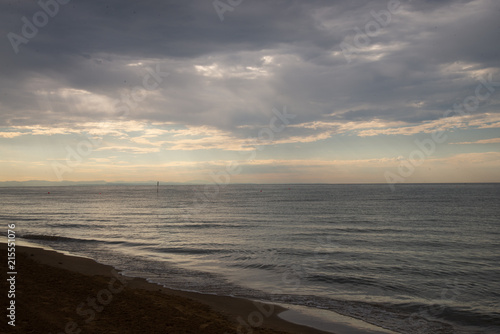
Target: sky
point(240, 91)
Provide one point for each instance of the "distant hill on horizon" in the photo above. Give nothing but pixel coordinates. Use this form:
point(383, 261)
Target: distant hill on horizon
point(41, 183)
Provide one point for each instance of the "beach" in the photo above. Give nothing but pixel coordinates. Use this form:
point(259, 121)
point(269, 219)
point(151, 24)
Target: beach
point(57, 293)
point(401, 265)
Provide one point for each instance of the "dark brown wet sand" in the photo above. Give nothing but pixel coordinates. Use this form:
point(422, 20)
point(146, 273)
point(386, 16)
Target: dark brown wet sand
point(56, 293)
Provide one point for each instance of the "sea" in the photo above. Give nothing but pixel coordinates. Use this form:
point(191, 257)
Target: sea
point(424, 258)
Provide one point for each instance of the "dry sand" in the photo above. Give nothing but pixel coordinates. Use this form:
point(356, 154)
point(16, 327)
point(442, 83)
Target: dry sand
point(56, 293)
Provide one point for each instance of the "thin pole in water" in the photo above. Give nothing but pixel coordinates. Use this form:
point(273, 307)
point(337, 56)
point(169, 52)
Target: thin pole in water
point(157, 185)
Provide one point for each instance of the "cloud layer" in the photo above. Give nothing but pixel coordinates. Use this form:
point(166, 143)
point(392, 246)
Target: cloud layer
point(152, 77)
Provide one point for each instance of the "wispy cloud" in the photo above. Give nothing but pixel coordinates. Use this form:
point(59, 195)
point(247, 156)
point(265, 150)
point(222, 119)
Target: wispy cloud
point(482, 141)
point(11, 134)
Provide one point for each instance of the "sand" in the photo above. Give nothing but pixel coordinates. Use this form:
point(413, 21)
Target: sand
point(57, 293)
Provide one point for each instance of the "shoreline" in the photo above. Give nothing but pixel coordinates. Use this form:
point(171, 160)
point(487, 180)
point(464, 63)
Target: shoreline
point(243, 315)
point(70, 308)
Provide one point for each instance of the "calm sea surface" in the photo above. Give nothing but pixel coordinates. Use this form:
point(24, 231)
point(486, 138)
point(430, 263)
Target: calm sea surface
point(422, 259)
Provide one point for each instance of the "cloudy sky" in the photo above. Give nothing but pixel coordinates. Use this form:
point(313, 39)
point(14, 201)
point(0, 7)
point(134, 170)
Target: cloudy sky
point(250, 91)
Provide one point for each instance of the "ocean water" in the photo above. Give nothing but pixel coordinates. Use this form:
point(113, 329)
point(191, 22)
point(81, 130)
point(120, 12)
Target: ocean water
point(422, 259)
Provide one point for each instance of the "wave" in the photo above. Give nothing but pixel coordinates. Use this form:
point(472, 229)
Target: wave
point(209, 225)
point(465, 317)
point(255, 266)
point(343, 280)
point(17, 219)
point(404, 318)
point(53, 238)
point(186, 250)
point(66, 225)
point(44, 237)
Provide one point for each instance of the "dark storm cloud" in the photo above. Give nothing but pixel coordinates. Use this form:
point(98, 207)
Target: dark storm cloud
point(90, 46)
point(168, 28)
